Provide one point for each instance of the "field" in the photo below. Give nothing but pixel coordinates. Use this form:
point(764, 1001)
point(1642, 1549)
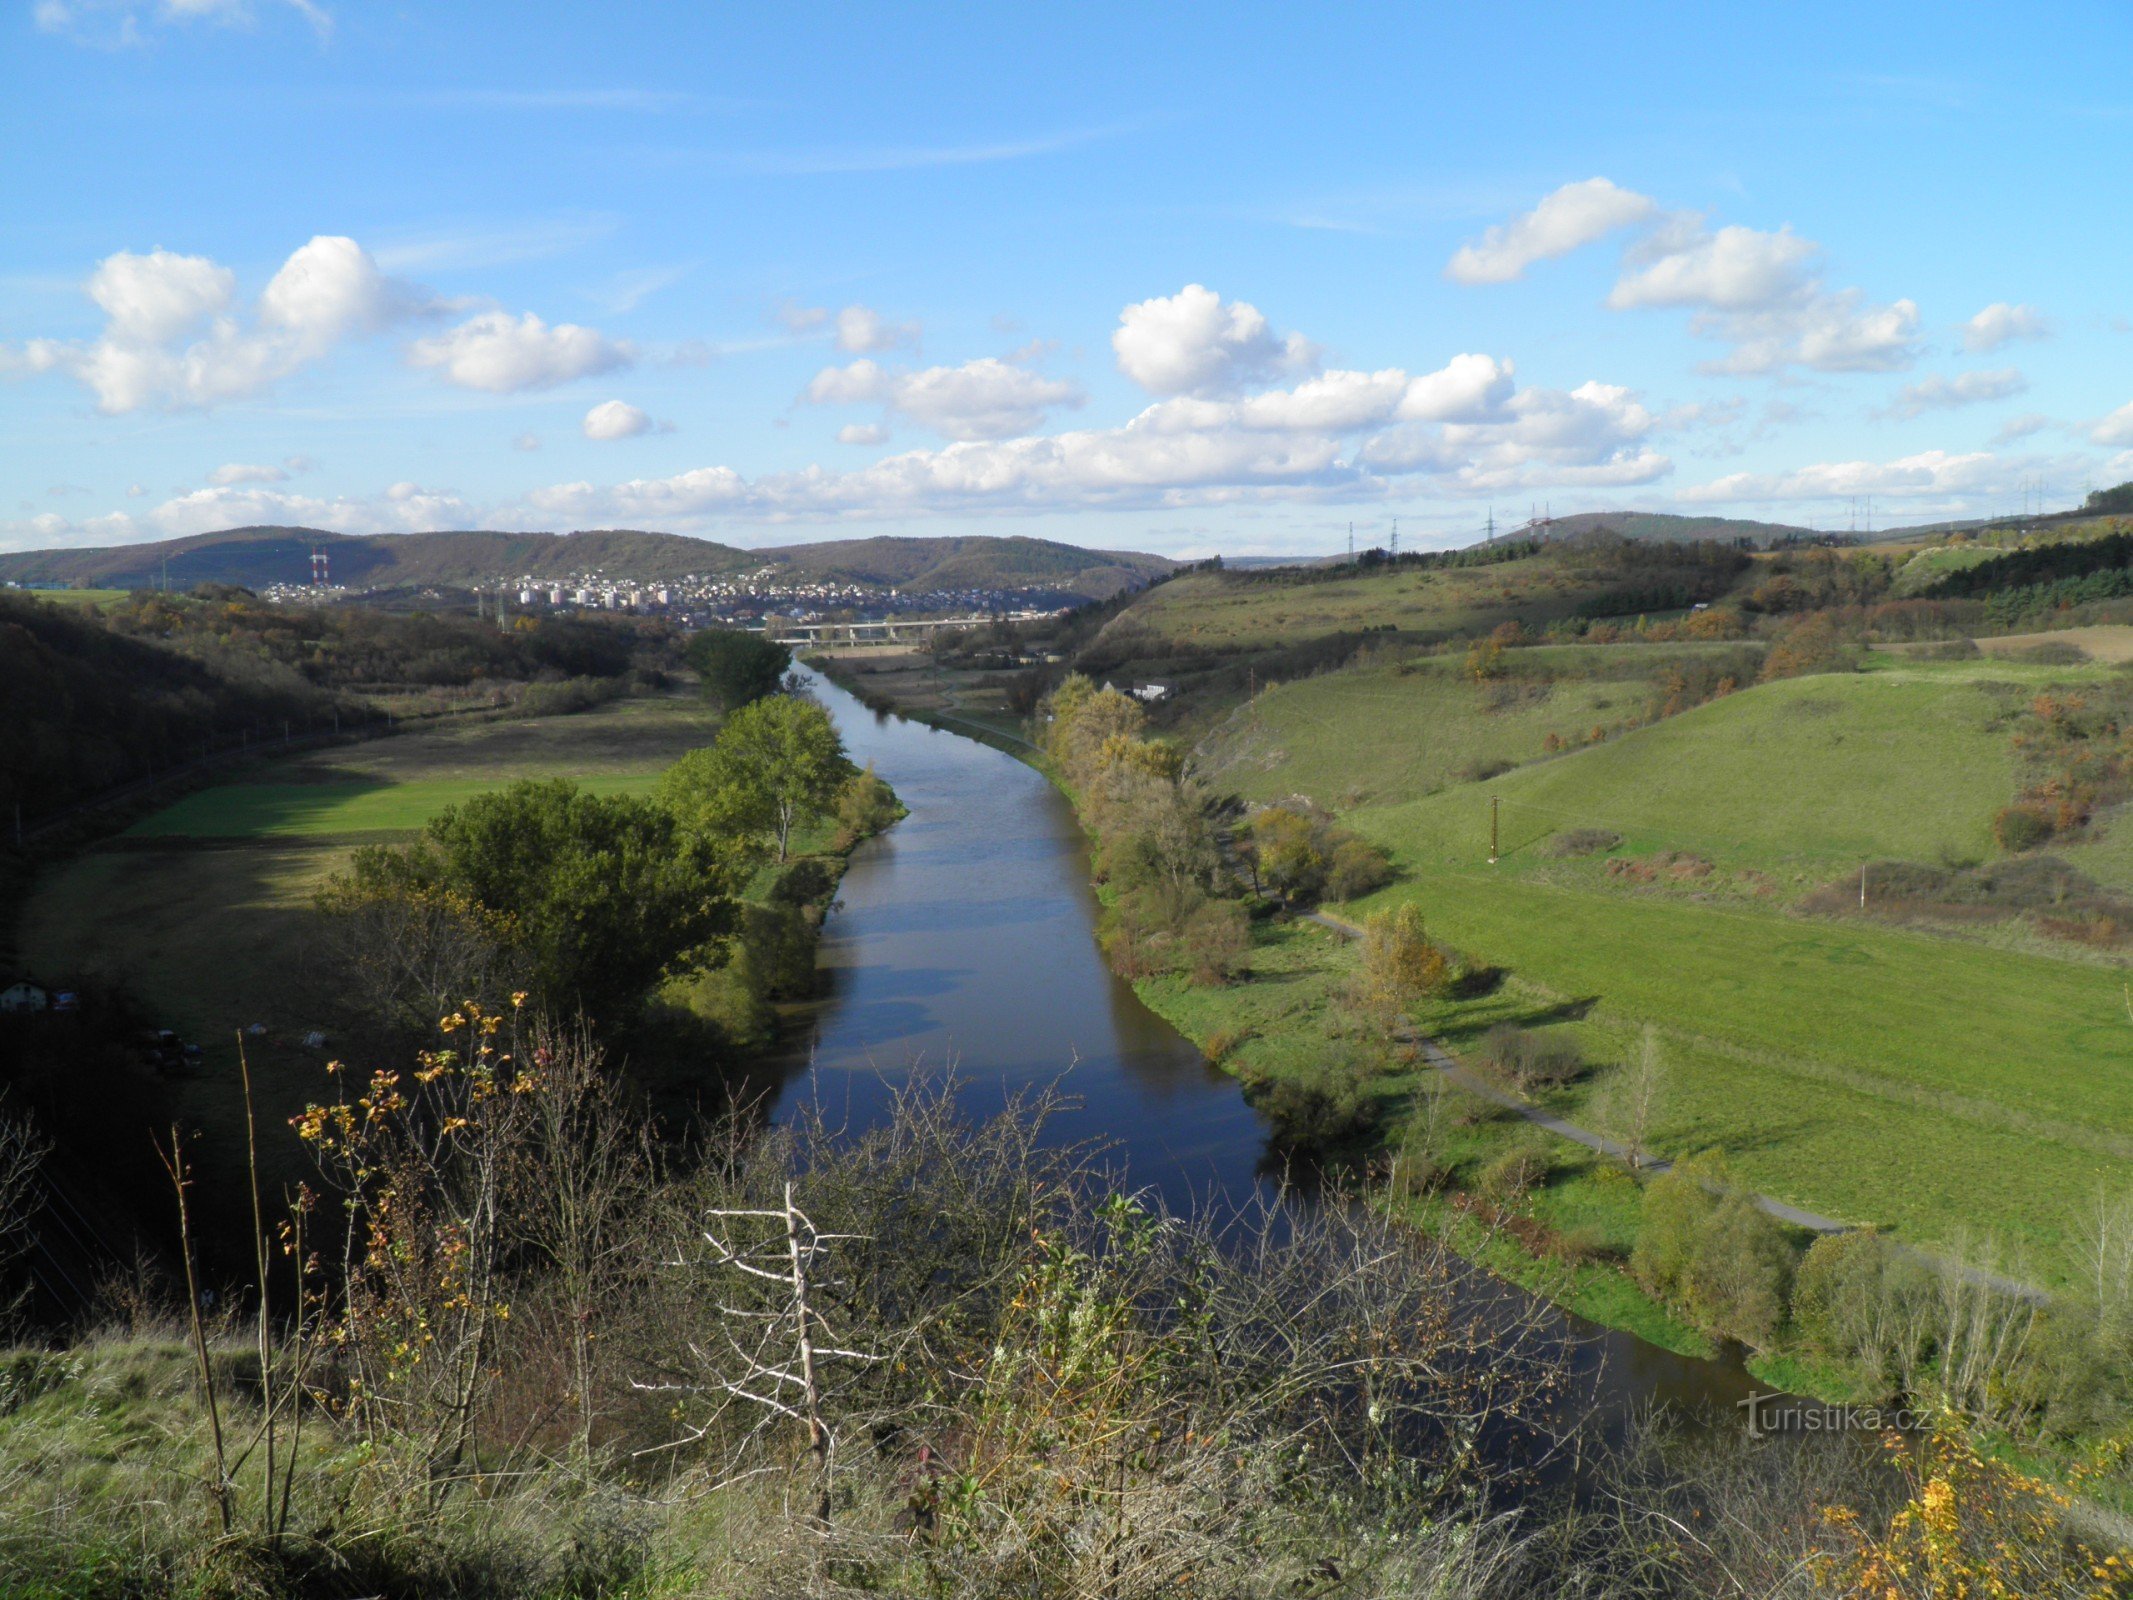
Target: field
point(203, 912)
point(1931, 1085)
point(1380, 732)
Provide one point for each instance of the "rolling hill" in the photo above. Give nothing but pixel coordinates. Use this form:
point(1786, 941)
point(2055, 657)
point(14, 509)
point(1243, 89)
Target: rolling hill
point(258, 556)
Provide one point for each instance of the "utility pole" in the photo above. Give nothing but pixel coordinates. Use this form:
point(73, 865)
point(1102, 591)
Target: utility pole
point(1862, 886)
point(1495, 812)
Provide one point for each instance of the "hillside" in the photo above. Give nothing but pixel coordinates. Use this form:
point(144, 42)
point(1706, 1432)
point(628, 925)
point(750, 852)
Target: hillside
point(257, 557)
point(1665, 527)
point(969, 562)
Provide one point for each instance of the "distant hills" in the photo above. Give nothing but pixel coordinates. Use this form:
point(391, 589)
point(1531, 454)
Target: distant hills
point(1665, 527)
point(257, 557)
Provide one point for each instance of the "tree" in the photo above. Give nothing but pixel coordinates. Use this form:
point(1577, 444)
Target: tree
point(737, 668)
point(1399, 964)
point(605, 894)
point(777, 763)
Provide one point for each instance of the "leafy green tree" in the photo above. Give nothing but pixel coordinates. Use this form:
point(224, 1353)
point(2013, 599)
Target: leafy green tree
point(737, 668)
point(777, 763)
point(604, 894)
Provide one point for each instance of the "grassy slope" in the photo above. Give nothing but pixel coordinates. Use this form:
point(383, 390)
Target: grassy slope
point(1225, 611)
point(1922, 1083)
point(1808, 775)
point(1379, 733)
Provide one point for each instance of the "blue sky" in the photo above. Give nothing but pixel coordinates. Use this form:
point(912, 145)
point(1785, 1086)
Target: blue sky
point(1182, 279)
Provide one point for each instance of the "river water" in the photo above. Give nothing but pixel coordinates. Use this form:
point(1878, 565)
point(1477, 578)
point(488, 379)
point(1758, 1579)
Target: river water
point(963, 939)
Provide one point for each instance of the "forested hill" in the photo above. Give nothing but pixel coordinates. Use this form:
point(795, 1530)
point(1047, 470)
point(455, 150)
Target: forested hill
point(1664, 527)
point(257, 557)
point(971, 562)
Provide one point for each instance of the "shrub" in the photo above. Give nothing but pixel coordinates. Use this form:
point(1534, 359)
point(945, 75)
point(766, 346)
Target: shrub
point(1356, 868)
point(1574, 842)
point(1215, 943)
point(1741, 1273)
point(1838, 1292)
point(1530, 1061)
point(1677, 1207)
point(1317, 1114)
point(2019, 828)
point(1513, 1175)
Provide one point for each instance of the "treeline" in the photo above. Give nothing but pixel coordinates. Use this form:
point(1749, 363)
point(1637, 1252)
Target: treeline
point(93, 701)
point(1153, 826)
point(2039, 566)
point(593, 905)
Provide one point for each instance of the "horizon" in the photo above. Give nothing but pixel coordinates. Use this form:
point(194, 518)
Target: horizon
point(903, 286)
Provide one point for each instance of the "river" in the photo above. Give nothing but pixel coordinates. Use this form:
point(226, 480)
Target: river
point(963, 939)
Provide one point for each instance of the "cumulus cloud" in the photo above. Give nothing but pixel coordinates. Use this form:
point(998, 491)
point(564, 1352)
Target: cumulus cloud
point(983, 399)
point(2021, 427)
point(1931, 472)
point(173, 338)
point(1939, 393)
point(1591, 436)
point(1573, 216)
point(618, 419)
point(503, 354)
point(862, 330)
point(2115, 429)
point(1759, 292)
point(2001, 323)
point(238, 472)
point(1194, 342)
point(862, 433)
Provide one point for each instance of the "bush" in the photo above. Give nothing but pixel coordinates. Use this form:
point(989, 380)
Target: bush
point(1215, 943)
point(1574, 842)
point(1530, 1061)
point(1838, 1291)
point(866, 805)
point(1513, 1175)
point(2020, 828)
point(1316, 1115)
point(1357, 867)
point(1706, 1245)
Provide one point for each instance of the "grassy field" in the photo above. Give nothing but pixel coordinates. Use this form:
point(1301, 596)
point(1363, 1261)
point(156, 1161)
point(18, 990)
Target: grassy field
point(205, 917)
point(255, 810)
point(1804, 777)
point(1392, 731)
point(1225, 611)
point(1873, 1073)
point(78, 597)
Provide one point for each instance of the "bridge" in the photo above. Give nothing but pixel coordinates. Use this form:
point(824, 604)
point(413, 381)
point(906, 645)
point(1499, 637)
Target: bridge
point(893, 629)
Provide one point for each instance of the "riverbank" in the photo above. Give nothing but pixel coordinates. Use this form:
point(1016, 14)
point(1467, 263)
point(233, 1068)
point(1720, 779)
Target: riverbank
point(1565, 1223)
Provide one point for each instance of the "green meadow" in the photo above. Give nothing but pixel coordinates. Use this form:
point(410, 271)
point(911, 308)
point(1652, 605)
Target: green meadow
point(249, 810)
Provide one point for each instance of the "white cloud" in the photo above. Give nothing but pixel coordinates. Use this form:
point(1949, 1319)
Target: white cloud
point(1938, 393)
point(1575, 215)
point(1734, 269)
point(862, 433)
point(1193, 342)
point(526, 441)
point(2115, 429)
point(1931, 472)
point(172, 339)
point(238, 472)
point(1758, 291)
point(503, 354)
point(1591, 436)
point(124, 24)
point(983, 399)
point(864, 331)
point(2001, 323)
point(2021, 427)
point(618, 419)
